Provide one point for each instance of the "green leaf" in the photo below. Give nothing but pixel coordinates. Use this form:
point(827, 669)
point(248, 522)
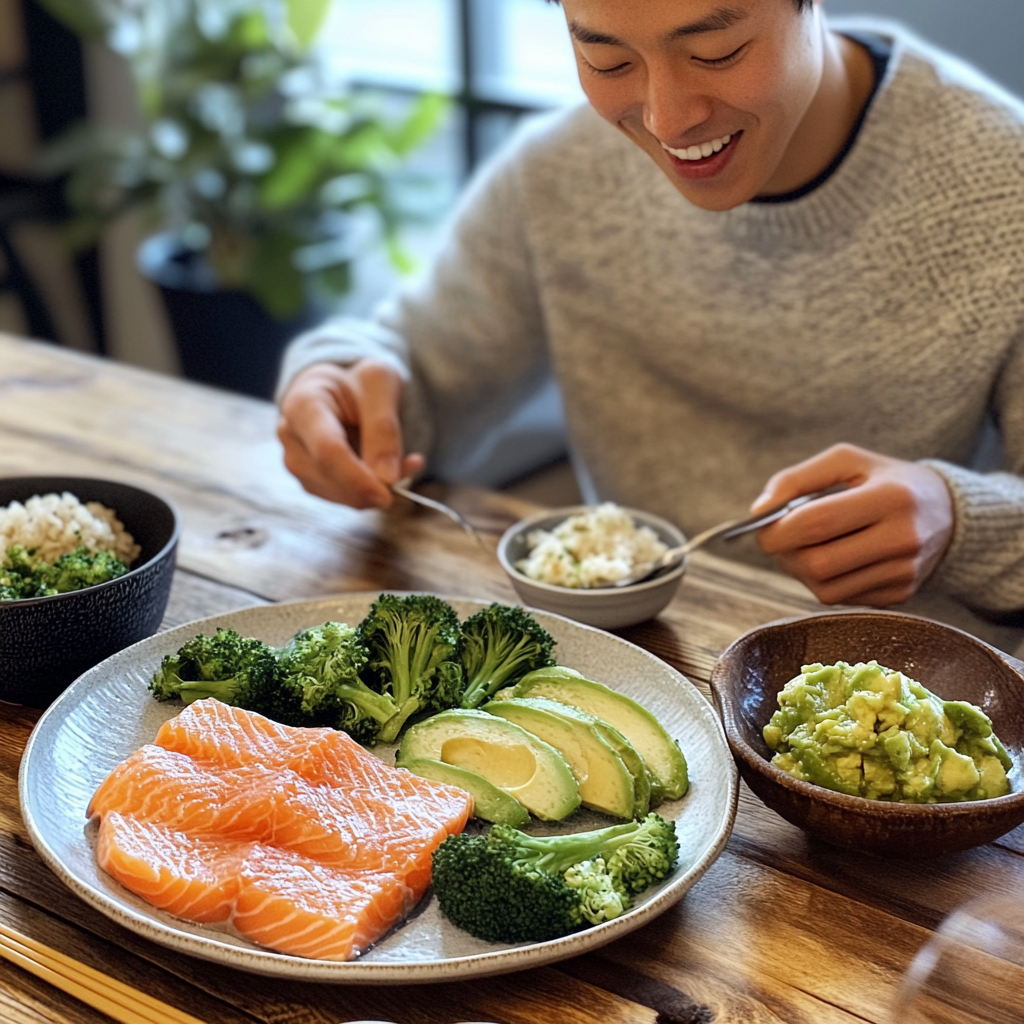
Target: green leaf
point(298, 170)
point(305, 18)
point(273, 278)
point(336, 280)
point(421, 123)
point(401, 259)
point(82, 18)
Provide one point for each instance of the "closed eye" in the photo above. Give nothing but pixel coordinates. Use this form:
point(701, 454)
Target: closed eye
point(605, 71)
point(721, 62)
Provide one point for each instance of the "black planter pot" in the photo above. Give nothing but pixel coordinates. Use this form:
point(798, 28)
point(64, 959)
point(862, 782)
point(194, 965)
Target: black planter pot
point(225, 338)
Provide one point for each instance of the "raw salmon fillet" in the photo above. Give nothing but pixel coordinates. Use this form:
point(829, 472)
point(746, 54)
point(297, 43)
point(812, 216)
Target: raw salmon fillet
point(298, 839)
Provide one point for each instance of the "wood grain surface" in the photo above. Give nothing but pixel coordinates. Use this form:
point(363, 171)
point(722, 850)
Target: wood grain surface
point(782, 928)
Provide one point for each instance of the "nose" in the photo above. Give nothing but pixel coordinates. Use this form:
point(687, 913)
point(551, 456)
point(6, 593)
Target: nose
point(673, 103)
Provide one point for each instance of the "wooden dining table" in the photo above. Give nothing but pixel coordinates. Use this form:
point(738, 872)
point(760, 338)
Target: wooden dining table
point(781, 928)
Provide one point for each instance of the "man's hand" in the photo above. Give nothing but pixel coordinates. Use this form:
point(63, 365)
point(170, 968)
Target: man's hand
point(875, 543)
point(341, 432)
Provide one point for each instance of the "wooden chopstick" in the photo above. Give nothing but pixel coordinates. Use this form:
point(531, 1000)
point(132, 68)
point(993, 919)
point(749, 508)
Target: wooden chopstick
point(121, 1002)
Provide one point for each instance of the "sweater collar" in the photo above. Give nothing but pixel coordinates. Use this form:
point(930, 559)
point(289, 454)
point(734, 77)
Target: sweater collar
point(858, 187)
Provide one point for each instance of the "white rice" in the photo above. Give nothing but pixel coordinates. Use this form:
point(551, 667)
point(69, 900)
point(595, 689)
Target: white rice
point(54, 524)
point(592, 549)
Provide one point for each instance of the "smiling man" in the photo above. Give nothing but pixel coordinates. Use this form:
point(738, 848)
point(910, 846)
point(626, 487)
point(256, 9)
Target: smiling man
point(768, 257)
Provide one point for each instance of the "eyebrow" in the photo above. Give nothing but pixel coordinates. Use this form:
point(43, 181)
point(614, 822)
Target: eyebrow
point(719, 19)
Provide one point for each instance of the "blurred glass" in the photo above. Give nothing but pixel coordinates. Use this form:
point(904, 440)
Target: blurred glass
point(971, 971)
point(523, 53)
point(402, 43)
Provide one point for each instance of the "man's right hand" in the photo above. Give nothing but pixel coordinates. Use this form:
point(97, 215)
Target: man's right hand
point(342, 435)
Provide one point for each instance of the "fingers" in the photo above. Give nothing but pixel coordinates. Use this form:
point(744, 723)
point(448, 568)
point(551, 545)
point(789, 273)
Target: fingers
point(842, 463)
point(874, 543)
point(377, 402)
point(341, 434)
point(837, 515)
point(847, 570)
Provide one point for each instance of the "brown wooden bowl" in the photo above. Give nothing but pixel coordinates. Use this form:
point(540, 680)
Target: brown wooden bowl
point(951, 663)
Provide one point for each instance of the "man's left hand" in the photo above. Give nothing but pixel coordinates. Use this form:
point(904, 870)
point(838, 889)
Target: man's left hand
point(873, 544)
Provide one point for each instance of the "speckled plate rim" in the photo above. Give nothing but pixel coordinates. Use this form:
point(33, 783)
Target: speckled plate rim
point(129, 911)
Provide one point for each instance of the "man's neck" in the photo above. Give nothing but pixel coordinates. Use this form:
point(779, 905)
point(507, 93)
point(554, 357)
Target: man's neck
point(846, 85)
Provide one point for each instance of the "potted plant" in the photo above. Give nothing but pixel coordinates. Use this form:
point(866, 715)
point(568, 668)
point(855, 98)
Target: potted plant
point(252, 168)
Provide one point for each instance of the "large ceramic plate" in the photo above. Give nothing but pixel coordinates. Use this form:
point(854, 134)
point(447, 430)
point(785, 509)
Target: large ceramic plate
point(107, 713)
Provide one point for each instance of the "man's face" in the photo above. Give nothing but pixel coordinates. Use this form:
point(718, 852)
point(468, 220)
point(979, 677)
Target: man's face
point(688, 78)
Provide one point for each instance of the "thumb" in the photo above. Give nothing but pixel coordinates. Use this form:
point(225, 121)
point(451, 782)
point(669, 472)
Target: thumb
point(841, 464)
point(380, 432)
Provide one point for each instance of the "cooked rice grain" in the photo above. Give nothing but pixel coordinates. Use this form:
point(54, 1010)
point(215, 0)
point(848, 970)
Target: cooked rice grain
point(54, 524)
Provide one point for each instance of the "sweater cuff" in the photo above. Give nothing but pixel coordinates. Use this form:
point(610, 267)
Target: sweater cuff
point(343, 341)
point(984, 565)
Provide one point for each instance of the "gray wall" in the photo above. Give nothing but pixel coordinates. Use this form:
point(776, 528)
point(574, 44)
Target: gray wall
point(988, 33)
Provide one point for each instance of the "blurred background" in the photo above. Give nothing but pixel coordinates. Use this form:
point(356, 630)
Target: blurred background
point(496, 61)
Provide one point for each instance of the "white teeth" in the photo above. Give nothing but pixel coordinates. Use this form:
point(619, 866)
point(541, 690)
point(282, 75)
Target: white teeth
point(705, 149)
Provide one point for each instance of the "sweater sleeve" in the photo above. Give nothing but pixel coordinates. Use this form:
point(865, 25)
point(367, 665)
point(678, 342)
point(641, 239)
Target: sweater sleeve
point(468, 338)
point(984, 566)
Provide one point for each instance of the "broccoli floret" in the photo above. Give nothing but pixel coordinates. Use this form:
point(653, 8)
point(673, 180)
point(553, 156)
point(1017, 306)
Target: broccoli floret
point(507, 886)
point(23, 574)
point(19, 575)
point(413, 643)
point(80, 569)
point(234, 669)
point(320, 669)
point(499, 645)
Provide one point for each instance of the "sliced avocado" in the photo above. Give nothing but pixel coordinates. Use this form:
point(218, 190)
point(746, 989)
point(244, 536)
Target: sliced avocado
point(660, 752)
point(605, 782)
point(506, 755)
point(630, 758)
point(489, 802)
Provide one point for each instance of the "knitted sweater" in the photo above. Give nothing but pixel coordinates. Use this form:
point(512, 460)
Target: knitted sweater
point(699, 352)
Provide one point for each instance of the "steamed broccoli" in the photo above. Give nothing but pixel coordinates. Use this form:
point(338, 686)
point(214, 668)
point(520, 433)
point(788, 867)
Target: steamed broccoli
point(23, 574)
point(499, 645)
point(413, 643)
point(507, 886)
point(320, 669)
point(234, 669)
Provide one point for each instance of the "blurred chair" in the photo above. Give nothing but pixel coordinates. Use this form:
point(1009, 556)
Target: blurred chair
point(25, 200)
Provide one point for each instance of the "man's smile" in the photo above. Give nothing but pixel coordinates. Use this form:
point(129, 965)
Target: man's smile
point(699, 152)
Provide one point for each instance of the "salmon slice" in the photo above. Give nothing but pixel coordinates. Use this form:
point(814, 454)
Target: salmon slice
point(210, 730)
point(232, 819)
point(188, 876)
point(338, 826)
point(273, 897)
point(304, 908)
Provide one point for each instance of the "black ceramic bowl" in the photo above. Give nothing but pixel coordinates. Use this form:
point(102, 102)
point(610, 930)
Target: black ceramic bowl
point(951, 663)
point(47, 642)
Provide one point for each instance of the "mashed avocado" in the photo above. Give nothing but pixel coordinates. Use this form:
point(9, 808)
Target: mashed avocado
point(868, 731)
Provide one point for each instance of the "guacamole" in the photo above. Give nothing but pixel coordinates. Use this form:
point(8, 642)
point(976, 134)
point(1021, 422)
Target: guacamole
point(868, 731)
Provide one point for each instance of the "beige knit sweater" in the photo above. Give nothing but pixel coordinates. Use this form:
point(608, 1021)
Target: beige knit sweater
point(699, 352)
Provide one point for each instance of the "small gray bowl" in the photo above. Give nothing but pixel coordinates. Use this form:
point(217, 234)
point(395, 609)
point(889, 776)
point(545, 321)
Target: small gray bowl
point(47, 642)
point(604, 607)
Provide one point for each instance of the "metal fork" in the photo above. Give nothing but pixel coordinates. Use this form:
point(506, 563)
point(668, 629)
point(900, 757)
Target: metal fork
point(403, 488)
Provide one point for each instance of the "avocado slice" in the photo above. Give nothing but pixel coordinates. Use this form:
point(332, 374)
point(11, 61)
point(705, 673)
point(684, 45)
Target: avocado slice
point(630, 758)
point(605, 782)
point(509, 757)
point(489, 802)
point(661, 753)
